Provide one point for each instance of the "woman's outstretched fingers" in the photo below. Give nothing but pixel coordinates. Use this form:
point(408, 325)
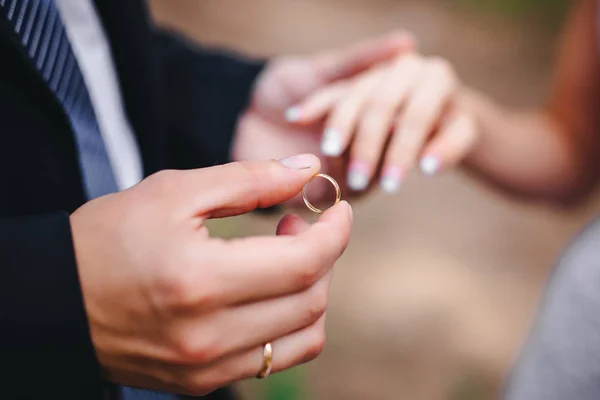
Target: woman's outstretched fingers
point(377, 121)
point(416, 124)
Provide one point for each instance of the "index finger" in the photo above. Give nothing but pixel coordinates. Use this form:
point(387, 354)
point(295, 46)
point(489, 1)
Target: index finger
point(240, 187)
point(258, 268)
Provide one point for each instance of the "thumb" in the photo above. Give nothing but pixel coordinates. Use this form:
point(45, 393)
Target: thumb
point(340, 64)
point(240, 187)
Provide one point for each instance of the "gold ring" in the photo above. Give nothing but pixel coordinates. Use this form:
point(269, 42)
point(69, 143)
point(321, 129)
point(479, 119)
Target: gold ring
point(267, 364)
point(338, 193)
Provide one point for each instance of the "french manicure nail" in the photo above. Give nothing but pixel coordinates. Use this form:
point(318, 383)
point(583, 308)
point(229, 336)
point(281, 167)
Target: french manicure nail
point(358, 176)
point(391, 179)
point(292, 114)
point(331, 144)
point(429, 165)
point(301, 161)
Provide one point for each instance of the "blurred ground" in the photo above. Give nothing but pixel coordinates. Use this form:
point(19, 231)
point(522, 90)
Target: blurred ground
point(439, 284)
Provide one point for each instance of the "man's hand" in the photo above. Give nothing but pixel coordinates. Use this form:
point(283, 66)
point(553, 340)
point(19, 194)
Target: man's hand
point(172, 309)
point(263, 131)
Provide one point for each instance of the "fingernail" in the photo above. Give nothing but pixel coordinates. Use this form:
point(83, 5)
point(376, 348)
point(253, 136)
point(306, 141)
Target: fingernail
point(292, 114)
point(301, 161)
point(430, 165)
point(391, 179)
point(331, 144)
point(358, 176)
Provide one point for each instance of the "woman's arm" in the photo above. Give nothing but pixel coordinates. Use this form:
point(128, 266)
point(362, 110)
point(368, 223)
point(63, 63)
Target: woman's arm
point(552, 153)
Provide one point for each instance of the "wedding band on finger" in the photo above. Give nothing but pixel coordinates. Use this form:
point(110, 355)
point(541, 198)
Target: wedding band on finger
point(338, 193)
point(267, 365)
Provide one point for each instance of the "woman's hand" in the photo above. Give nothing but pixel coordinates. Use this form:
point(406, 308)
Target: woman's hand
point(400, 113)
point(262, 131)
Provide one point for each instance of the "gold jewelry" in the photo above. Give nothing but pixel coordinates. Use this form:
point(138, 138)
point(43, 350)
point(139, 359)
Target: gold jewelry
point(338, 193)
point(267, 364)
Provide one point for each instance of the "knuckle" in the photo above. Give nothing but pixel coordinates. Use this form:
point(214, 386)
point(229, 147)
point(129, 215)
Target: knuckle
point(468, 129)
point(441, 65)
point(339, 243)
point(165, 177)
point(317, 301)
point(334, 245)
point(444, 70)
point(409, 150)
point(164, 174)
point(469, 121)
point(403, 154)
point(380, 106)
point(415, 117)
point(247, 174)
point(314, 258)
point(307, 269)
point(161, 183)
point(192, 385)
point(335, 89)
point(173, 291)
point(369, 144)
point(253, 176)
point(316, 344)
point(410, 59)
point(344, 114)
point(179, 293)
point(194, 348)
point(307, 275)
point(184, 283)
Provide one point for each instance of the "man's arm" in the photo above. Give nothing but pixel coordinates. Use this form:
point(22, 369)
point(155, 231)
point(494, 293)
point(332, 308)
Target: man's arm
point(45, 343)
point(207, 90)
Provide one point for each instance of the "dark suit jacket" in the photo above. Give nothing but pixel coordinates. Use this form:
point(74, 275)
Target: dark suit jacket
point(182, 103)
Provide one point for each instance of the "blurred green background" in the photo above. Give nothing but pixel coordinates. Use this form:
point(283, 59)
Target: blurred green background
point(516, 7)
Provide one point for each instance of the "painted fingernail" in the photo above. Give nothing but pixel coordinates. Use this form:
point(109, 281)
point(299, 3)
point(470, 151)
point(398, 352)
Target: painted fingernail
point(292, 114)
point(430, 165)
point(301, 161)
point(358, 176)
point(331, 144)
point(391, 179)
